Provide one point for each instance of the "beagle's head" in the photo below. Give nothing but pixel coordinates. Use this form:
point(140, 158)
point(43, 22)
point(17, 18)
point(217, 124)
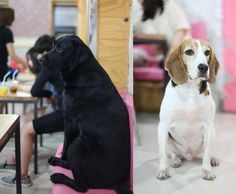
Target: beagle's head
point(192, 59)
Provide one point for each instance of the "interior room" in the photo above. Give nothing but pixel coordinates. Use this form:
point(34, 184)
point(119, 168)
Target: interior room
point(105, 27)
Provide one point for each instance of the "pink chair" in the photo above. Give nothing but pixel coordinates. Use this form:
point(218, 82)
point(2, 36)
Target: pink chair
point(63, 189)
point(152, 72)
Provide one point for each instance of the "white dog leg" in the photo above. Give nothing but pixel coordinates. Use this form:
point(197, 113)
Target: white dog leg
point(206, 159)
point(162, 142)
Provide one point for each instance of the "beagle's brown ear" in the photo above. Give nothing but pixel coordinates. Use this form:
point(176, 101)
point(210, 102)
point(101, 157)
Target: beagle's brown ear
point(175, 66)
point(214, 66)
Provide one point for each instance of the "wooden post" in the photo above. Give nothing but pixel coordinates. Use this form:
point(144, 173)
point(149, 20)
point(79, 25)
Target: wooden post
point(82, 26)
point(113, 39)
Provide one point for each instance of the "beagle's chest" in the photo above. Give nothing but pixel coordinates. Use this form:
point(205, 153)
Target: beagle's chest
point(188, 121)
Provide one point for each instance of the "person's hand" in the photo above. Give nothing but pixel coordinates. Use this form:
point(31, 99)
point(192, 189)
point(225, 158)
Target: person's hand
point(52, 100)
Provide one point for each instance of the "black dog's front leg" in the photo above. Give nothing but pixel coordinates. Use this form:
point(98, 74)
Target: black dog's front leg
point(70, 136)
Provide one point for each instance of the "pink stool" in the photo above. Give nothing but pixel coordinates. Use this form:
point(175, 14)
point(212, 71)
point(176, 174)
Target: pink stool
point(63, 189)
point(153, 74)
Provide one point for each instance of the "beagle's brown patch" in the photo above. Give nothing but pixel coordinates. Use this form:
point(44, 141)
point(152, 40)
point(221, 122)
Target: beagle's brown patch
point(203, 88)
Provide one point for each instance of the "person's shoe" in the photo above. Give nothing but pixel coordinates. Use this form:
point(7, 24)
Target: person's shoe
point(5, 166)
point(10, 181)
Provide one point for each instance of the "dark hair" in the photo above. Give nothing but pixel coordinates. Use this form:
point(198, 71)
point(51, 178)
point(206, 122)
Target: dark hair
point(7, 16)
point(43, 43)
point(150, 8)
point(36, 66)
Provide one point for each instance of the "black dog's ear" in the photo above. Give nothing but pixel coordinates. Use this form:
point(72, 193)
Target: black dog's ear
point(80, 50)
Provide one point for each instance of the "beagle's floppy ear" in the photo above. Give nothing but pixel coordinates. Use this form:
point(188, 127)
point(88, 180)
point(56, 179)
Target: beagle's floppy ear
point(175, 66)
point(214, 66)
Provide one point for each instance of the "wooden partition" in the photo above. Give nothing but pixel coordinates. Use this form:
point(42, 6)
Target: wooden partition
point(113, 34)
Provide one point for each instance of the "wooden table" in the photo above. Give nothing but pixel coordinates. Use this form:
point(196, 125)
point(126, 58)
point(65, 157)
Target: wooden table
point(10, 124)
point(23, 98)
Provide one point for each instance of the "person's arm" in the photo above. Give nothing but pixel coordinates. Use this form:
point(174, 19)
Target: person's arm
point(14, 56)
point(38, 86)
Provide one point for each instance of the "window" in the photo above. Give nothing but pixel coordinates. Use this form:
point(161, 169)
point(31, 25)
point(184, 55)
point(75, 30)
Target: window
point(64, 17)
point(65, 20)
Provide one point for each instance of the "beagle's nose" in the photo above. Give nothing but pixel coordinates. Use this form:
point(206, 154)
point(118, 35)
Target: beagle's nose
point(203, 68)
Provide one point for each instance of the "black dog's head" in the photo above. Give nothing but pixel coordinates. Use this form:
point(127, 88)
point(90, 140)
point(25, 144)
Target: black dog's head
point(68, 52)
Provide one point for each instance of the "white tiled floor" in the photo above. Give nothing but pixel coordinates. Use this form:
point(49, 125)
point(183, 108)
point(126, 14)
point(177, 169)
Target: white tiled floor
point(188, 178)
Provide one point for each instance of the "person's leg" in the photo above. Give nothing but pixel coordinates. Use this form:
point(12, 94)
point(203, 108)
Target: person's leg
point(27, 137)
point(30, 115)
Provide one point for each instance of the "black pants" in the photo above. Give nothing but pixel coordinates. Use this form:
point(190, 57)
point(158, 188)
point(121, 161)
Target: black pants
point(49, 123)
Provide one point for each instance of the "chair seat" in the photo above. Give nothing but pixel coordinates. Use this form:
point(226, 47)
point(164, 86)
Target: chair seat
point(148, 74)
point(63, 189)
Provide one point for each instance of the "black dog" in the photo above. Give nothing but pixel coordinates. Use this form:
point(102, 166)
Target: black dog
point(97, 139)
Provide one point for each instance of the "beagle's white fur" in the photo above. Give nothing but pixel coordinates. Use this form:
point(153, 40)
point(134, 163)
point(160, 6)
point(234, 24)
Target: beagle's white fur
point(187, 111)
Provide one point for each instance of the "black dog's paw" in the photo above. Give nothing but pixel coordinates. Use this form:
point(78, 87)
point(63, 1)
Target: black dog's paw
point(57, 178)
point(54, 161)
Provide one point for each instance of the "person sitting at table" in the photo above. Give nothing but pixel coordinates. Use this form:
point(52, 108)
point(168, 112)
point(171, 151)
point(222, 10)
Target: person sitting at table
point(48, 123)
point(159, 17)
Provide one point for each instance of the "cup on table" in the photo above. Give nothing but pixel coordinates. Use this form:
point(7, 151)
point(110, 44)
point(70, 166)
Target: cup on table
point(3, 89)
point(13, 85)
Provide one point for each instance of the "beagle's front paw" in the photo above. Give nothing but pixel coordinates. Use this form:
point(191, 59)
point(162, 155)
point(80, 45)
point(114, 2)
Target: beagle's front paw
point(163, 175)
point(177, 163)
point(208, 175)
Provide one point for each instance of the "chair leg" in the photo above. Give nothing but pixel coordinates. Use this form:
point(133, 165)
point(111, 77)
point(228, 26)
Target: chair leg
point(41, 140)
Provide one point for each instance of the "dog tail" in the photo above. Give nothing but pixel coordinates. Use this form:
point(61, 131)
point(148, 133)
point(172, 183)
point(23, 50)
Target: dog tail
point(123, 189)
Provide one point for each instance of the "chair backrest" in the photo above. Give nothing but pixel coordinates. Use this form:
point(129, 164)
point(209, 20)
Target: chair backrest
point(151, 50)
point(198, 30)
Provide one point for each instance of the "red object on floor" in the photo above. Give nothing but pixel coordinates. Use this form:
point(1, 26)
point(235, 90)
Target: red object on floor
point(63, 189)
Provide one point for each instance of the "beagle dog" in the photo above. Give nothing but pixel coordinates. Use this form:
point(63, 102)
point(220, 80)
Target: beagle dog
point(186, 126)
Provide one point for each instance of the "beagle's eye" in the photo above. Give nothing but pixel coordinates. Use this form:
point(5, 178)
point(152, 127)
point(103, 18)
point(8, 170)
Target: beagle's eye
point(207, 53)
point(189, 52)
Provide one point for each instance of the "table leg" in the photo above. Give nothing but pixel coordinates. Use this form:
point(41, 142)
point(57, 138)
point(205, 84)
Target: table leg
point(41, 140)
point(13, 108)
point(18, 160)
point(35, 143)
point(6, 108)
